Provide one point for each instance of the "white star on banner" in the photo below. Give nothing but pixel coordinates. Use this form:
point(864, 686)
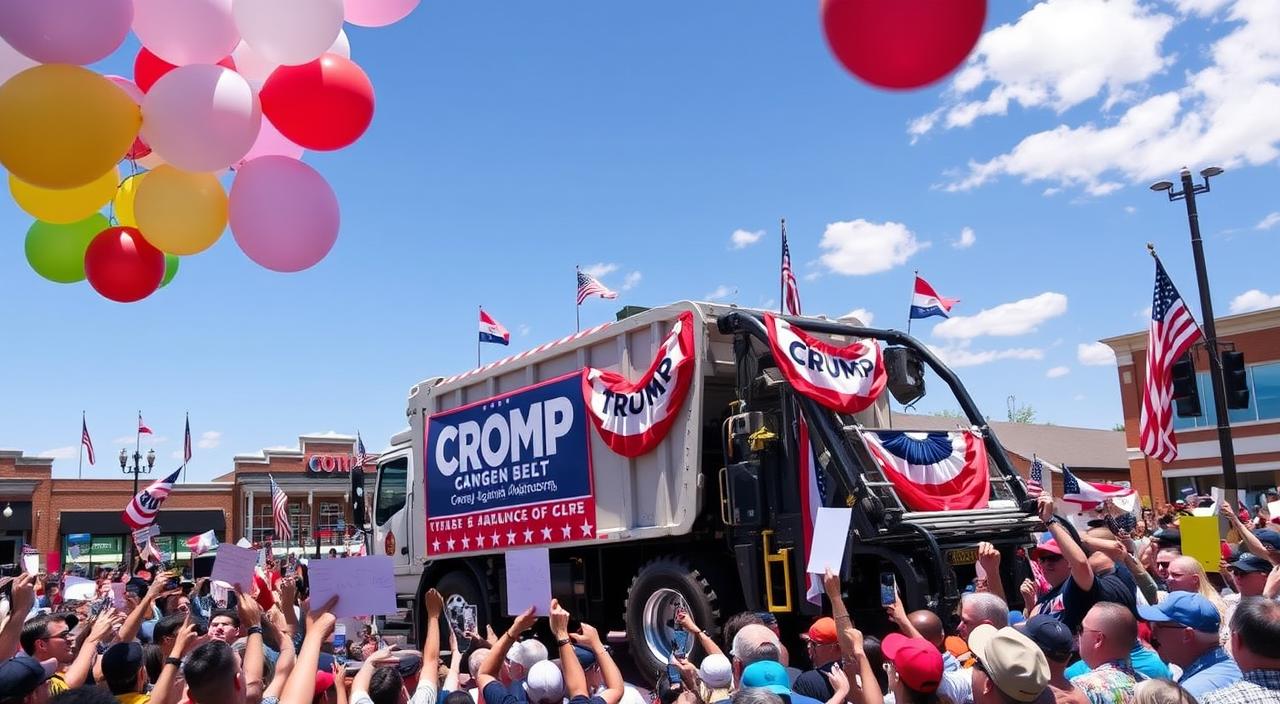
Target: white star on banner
point(568, 532)
point(479, 541)
point(494, 541)
point(528, 535)
point(586, 528)
point(450, 542)
point(511, 537)
point(546, 533)
point(435, 546)
point(466, 543)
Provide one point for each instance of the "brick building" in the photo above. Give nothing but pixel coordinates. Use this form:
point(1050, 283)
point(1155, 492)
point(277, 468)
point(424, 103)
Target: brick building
point(79, 519)
point(1255, 430)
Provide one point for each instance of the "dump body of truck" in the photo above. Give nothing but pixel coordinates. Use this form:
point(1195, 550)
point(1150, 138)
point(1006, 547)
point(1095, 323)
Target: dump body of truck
point(510, 456)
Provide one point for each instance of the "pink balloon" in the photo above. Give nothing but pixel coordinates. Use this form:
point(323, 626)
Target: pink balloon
point(65, 31)
point(378, 13)
point(271, 143)
point(283, 213)
point(201, 117)
point(186, 31)
point(127, 86)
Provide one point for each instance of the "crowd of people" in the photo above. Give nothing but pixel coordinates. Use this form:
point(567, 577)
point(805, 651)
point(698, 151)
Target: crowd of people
point(1110, 616)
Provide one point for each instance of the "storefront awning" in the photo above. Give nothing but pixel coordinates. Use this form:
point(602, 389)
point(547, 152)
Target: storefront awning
point(170, 522)
point(21, 518)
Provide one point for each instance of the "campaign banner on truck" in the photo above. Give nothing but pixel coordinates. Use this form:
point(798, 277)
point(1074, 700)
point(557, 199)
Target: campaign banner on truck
point(846, 379)
point(633, 417)
point(512, 471)
point(935, 471)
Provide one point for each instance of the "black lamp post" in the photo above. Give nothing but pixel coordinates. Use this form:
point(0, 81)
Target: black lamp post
point(137, 467)
point(1189, 191)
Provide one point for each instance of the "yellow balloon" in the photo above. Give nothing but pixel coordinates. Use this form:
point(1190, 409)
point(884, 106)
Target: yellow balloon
point(61, 207)
point(181, 212)
point(63, 126)
point(122, 202)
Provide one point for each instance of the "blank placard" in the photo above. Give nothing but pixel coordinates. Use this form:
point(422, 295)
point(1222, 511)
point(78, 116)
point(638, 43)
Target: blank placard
point(529, 581)
point(830, 533)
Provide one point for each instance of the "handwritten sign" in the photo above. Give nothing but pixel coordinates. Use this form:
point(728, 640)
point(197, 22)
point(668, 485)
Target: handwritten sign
point(830, 533)
point(366, 586)
point(234, 565)
point(529, 581)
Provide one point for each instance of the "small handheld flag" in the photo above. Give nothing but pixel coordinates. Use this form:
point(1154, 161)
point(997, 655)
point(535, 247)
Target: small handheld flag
point(493, 331)
point(200, 544)
point(925, 301)
point(1035, 481)
point(1079, 491)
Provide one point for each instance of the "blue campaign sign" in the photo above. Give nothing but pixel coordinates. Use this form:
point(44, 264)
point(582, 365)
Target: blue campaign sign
point(527, 447)
point(78, 538)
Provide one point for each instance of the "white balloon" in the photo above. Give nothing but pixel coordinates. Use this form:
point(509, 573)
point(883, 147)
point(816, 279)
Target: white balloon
point(13, 62)
point(341, 45)
point(186, 31)
point(201, 117)
point(289, 32)
point(251, 64)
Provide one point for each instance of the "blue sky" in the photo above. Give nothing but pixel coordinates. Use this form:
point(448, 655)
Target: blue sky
point(512, 141)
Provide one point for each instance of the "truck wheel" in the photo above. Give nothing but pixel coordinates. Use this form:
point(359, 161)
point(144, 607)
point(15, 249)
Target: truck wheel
point(456, 586)
point(655, 593)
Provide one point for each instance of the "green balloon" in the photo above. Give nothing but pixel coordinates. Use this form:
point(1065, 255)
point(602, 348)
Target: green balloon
point(56, 252)
point(170, 269)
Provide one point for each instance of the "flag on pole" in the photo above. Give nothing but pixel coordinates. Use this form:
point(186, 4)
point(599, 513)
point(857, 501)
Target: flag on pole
point(1173, 331)
point(589, 286)
point(1035, 481)
point(790, 292)
point(200, 544)
point(142, 427)
point(811, 492)
point(85, 439)
point(925, 301)
point(1079, 491)
point(186, 443)
point(493, 331)
point(361, 455)
point(144, 506)
point(280, 510)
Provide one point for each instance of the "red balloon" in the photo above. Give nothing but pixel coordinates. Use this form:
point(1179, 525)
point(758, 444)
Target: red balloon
point(122, 266)
point(148, 68)
point(138, 150)
point(322, 105)
point(902, 43)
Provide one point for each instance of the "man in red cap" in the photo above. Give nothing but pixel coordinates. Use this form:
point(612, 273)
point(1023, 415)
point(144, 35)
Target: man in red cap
point(917, 666)
point(824, 651)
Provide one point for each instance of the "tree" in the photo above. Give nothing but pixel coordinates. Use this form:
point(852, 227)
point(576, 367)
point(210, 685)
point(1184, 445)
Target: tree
point(1119, 427)
point(948, 413)
point(1022, 414)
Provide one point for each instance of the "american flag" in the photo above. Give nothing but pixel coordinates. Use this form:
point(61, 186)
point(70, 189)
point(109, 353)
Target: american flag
point(142, 427)
point(85, 439)
point(1079, 491)
point(790, 292)
point(1173, 331)
point(361, 456)
point(186, 443)
point(142, 509)
point(589, 286)
point(812, 489)
point(280, 509)
point(1035, 486)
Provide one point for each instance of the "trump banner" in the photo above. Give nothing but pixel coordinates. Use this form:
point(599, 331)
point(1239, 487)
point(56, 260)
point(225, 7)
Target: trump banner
point(846, 379)
point(633, 417)
point(512, 471)
point(937, 471)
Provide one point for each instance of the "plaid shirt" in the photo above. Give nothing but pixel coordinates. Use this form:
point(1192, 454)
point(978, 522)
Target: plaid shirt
point(1257, 687)
point(1110, 683)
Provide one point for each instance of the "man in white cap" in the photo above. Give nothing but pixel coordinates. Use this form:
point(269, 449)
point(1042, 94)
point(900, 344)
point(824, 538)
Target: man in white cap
point(1010, 667)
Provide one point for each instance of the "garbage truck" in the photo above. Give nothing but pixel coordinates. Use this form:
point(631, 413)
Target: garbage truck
point(677, 459)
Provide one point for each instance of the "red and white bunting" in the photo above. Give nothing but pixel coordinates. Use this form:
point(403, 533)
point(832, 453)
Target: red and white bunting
point(846, 379)
point(633, 417)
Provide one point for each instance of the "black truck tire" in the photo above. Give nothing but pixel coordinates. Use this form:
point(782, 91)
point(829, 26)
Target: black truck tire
point(651, 602)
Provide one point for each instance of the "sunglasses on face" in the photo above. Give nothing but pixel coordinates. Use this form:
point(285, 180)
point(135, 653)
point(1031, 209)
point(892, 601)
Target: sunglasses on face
point(1050, 558)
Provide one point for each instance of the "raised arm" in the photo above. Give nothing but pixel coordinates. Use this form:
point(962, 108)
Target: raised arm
point(839, 613)
point(129, 630)
point(455, 664)
point(168, 688)
point(1081, 572)
point(575, 680)
point(301, 686)
point(20, 603)
point(493, 661)
point(989, 558)
point(102, 626)
point(254, 660)
point(360, 684)
point(709, 644)
point(278, 624)
point(614, 686)
point(431, 648)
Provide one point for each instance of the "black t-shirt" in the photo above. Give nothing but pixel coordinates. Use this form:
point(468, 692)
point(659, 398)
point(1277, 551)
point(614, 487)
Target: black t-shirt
point(814, 683)
point(1069, 603)
point(495, 693)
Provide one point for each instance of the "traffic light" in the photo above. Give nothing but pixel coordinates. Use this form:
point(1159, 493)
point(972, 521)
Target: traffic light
point(1186, 396)
point(1234, 378)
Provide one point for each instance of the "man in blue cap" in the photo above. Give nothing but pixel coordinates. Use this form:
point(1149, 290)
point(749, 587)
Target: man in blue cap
point(1184, 630)
point(22, 679)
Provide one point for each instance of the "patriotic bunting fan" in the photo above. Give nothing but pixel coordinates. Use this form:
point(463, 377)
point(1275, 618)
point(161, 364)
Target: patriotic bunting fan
point(933, 471)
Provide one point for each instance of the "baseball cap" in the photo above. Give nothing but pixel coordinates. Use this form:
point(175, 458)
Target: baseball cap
point(1012, 660)
point(1251, 563)
point(1184, 608)
point(21, 674)
point(324, 680)
point(716, 671)
point(586, 656)
point(122, 661)
point(1049, 546)
point(823, 631)
point(408, 663)
point(1167, 536)
point(544, 683)
point(1051, 635)
point(1269, 538)
point(769, 674)
point(917, 661)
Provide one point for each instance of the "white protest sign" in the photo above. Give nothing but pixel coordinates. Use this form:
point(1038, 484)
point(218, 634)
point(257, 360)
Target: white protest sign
point(1273, 510)
point(830, 533)
point(234, 565)
point(365, 586)
point(79, 589)
point(244, 543)
point(529, 581)
point(31, 563)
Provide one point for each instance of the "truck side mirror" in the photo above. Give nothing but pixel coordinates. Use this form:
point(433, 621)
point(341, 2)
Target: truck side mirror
point(906, 374)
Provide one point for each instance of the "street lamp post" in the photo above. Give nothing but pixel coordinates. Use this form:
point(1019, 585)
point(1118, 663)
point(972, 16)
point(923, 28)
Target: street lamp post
point(137, 467)
point(1188, 193)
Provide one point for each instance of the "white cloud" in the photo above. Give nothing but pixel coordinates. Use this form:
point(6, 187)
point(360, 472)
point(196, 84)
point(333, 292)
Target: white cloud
point(61, 453)
point(1055, 56)
point(960, 355)
point(1096, 354)
point(1078, 397)
point(1130, 210)
point(720, 293)
point(600, 269)
point(1005, 320)
point(1254, 299)
point(631, 280)
point(209, 439)
point(860, 247)
point(1199, 7)
point(524, 329)
point(146, 439)
point(1268, 222)
point(1055, 372)
point(862, 314)
point(740, 239)
point(1221, 116)
point(966, 240)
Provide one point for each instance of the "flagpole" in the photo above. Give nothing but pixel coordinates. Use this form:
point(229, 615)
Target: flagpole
point(478, 341)
point(80, 464)
point(186, 429)
point(577, 305)
point(137, 450)
point(782, 287)
point(912, 300)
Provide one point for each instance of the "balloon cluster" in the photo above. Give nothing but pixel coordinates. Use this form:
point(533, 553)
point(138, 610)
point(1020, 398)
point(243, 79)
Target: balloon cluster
point(239, 85)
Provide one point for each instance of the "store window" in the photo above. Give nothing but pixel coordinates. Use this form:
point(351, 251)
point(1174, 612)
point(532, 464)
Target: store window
point(1264, 399)
point(331, 524)
point(392, 486)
